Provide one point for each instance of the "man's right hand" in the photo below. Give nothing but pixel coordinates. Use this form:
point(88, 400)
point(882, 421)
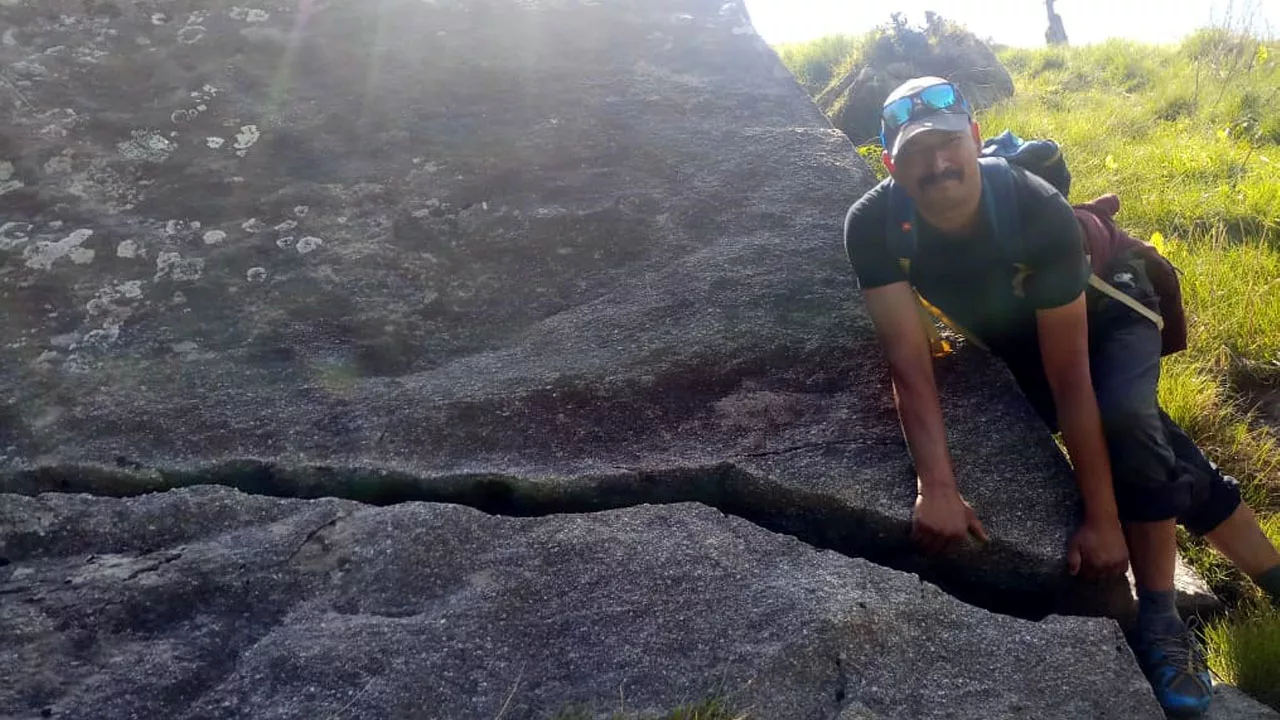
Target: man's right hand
point(943, 519)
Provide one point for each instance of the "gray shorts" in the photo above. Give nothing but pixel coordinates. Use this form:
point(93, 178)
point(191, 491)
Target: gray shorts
point(1157, 471)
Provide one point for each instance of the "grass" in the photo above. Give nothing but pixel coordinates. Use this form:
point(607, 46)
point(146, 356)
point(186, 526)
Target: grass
point(1188, 136)
point(816, 63)
point(1244, 649)
point(1246, 652)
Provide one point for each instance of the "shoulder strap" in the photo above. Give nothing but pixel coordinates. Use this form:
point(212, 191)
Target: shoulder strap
point(1000, 200)
point(900, 226)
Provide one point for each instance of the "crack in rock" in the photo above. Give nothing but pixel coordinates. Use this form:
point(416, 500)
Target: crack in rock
point(809, 516)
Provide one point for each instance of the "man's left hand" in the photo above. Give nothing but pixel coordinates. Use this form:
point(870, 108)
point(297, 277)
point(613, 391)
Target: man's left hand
point(1099, 550)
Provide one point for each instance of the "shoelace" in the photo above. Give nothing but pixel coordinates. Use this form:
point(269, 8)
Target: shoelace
point(1180, 652)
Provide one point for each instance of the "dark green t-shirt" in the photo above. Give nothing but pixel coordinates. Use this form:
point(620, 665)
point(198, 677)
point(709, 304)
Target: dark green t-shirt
point(970, 278)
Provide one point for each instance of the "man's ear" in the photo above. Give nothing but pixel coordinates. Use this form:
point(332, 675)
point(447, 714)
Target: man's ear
point(977, 132)
point(888, 161)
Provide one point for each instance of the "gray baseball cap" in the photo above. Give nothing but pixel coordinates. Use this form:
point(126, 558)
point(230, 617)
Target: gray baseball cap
point(940, 121)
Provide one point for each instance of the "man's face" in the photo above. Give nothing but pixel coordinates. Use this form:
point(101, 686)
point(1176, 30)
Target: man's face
point(939, 169)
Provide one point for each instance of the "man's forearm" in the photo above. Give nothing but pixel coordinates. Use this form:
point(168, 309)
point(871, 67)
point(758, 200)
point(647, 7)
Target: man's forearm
point(921, 415)
point(1081, 427)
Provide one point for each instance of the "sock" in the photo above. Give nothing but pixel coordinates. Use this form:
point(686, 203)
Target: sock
point(1158, 612)
point(1269, 581)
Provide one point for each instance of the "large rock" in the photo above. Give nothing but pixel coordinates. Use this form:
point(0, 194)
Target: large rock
point(207, 603)
point(901, 52)
point(531, 255)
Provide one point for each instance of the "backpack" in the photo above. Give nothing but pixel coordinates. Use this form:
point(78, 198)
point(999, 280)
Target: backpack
point(1104, 241)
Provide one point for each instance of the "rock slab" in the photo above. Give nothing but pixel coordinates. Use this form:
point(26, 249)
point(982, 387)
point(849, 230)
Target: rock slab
point(207, 603)
point(588, 247)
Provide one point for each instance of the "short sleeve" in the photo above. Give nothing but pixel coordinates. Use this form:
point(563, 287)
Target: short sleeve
point(1054, 245)
point(865, 241)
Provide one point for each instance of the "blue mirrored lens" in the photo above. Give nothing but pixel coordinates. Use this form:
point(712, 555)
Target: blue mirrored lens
point(898, 112)
point(939, 97)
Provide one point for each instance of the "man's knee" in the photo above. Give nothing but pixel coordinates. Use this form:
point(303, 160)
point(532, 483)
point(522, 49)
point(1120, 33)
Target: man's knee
point(1217, 499)
point(1149, 485)
point(1135, 434)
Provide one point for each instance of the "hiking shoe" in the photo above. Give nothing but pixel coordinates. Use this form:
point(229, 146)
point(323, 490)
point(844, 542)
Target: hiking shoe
point(1175, 667)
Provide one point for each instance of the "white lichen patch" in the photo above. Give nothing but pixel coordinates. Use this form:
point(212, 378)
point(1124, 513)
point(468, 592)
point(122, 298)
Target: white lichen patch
point(308, 244)
point(246, 138)
point(159, 18)
point(42, 255)
point(127, 249)
point(81, 256)
point(256, 275)
point(13, 234)
point(214, 237)
point(214, 142)
point(191, 34)
point(108, 335)
point(250, 15)
point(108, 300)
point(146, 146)
point(301, 210)
point(285, 243)
point(58, 164)
point(7, 183)
point(251, 225)
point(286, 226)
point(173, 266)
point(202, 96)
point(131, 289)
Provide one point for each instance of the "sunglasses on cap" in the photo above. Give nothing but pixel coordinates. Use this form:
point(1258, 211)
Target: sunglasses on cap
point(941, 98)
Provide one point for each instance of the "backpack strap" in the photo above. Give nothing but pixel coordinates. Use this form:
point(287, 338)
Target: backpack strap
point(1002, 207)
point(1112, 291)
point(1000, 200)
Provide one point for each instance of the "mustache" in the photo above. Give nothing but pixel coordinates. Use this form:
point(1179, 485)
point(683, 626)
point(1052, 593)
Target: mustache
point(953, 174)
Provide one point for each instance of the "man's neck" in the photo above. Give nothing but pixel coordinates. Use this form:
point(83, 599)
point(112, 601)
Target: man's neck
point(959, 221)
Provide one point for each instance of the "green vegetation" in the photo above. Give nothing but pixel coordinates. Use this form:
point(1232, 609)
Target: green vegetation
point(818, 62)
point(820, 65)
point(1188, 136)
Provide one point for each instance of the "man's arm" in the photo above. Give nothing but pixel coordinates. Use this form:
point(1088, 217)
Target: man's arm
point(1064, 347)
point(941, 515)
point(895, 312)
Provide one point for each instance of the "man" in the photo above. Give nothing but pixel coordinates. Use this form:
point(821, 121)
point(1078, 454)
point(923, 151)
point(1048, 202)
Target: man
point(1089, 365)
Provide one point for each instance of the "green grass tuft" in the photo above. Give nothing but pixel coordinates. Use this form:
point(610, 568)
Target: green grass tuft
point(817, 62)
point(1244, 649)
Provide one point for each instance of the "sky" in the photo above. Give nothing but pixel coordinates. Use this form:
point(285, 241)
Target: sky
point(1018, 22)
